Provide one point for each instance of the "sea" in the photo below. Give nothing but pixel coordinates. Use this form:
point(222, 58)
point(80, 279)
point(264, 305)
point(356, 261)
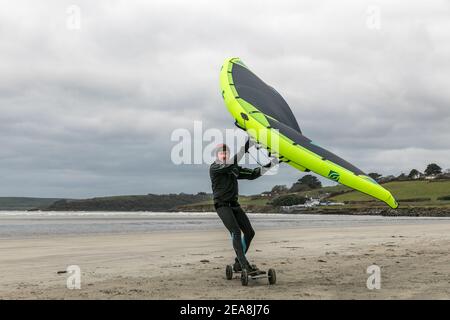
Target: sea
point(19, 224)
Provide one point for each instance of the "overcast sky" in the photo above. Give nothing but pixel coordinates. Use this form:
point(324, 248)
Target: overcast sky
point(89, 111)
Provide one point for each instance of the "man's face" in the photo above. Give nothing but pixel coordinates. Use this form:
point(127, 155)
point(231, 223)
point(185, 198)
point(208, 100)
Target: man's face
point(223, 156)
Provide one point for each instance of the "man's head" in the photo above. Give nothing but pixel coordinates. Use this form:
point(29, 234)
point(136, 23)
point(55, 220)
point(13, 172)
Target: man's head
point(222, 152)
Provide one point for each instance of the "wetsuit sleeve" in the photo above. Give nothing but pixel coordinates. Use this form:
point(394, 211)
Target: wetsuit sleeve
point(249, 174)
point(222, 167)
point(238, 156)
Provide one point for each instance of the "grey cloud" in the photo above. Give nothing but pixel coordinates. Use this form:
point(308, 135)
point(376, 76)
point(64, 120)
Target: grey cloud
point(90, 112)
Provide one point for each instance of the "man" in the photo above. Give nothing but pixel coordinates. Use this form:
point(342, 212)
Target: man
point(224, 173)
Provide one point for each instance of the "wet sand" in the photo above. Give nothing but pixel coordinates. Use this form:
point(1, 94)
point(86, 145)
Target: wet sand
point(311, 263)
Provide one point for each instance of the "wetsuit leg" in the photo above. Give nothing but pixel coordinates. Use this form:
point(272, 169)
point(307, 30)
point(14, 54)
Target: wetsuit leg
point(226, 214)
point(245, 226)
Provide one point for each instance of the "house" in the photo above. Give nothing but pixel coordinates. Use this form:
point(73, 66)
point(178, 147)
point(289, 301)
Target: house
point(386, 179)
point(443, 176)
point(418, 175)
point(311, 202)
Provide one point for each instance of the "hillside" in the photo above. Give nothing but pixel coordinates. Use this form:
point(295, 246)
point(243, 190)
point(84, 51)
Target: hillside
point(150, 202)
point(418, 197)
point(24, 203)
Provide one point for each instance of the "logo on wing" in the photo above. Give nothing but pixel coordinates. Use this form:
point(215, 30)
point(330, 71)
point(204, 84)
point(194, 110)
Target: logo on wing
point(333, 175)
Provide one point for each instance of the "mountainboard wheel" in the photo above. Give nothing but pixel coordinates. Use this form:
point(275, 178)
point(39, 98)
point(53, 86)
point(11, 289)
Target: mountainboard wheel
point(244, 277)
point(272, 276)
point(229, 272)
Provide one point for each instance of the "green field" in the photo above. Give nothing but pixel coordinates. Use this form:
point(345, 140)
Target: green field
point(410, 193)
point(322, 191)
point(407, 192)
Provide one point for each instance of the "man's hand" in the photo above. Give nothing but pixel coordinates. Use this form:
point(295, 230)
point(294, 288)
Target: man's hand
point(272, 163)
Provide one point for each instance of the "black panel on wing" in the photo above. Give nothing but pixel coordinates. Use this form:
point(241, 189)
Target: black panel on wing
point(303, 141)
point(253, 90)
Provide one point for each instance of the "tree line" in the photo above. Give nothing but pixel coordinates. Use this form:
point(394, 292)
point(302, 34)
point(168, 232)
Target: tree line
point(432, 170)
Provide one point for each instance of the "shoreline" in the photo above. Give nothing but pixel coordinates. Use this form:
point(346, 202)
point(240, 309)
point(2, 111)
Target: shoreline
point(426, 211)
point(18, 225)
point(369, 211)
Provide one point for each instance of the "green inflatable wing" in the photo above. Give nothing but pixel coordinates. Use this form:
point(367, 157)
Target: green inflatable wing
point(264, 114)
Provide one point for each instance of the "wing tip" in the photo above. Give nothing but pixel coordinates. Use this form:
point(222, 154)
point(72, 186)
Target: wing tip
point(392, 202)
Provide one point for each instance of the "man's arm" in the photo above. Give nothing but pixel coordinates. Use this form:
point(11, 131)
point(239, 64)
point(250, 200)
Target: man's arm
point(249, 174)
point(238, 156)
point(221, 167)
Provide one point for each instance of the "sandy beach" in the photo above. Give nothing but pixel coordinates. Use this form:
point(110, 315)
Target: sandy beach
point(311, 263)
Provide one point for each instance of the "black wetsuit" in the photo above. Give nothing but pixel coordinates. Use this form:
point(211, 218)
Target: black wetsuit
point(224, 178)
